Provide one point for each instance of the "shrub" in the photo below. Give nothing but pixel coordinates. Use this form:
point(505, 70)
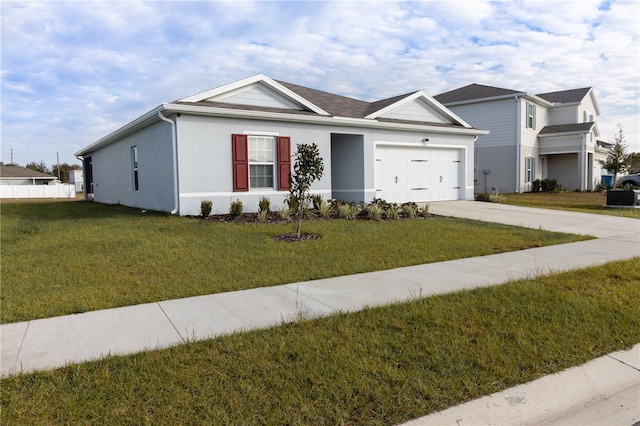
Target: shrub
point(316, 200)
point(410, 210)
point(262, 215)
point(264, 205)
point(484, 196)
point(425, 209)
point(236, 208)
point(373, 210)
point(324, 208)
point(284, 212)
point(292, 203)
point(393, 211)
point(549, 185)
point(536, 185)
point(205, 208)
point(348, 211)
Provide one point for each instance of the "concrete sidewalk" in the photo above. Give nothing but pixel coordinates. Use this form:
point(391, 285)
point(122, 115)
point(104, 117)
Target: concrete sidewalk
point(54, 342)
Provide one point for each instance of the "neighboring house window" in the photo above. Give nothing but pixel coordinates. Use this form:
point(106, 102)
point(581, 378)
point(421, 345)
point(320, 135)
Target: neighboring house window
point(586, 117)
point(531, 116)
point(261, 162)
point(529, 169)
point(134, 166)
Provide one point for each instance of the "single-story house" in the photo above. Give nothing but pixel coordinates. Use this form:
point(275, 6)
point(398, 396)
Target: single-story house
point(12, 174)
point(236, 142)
point(545, 136)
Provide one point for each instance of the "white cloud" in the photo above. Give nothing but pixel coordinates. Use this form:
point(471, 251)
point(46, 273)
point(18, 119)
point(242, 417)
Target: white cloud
point(93, 66)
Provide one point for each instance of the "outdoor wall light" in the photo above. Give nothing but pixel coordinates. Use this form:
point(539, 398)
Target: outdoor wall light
point(425, 140)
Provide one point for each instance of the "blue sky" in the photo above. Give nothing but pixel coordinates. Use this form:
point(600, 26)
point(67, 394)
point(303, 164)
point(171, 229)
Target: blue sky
point(74, 71)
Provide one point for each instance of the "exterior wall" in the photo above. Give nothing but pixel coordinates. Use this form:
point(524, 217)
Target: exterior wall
point(588, 106)
point(564, 115)
point(497, 116)
point(496, 151)
point(561, 144)
point(529, 151)
point(500, 162)
point(205, 159)
point(113, 174)
point(347, 167)
point(564, 168)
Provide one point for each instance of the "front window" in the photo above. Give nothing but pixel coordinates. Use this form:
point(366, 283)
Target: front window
point(261, 156)
point(529, 169)
point(531, 116)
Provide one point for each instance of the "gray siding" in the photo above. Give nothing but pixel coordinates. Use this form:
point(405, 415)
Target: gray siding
point(564, 115)
point(497, 116)
point(500, 162)
point(113, 173)
point(565, 169)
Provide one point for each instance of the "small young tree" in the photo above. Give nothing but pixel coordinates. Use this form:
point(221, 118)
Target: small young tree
point(617, 159)
point(307, 168)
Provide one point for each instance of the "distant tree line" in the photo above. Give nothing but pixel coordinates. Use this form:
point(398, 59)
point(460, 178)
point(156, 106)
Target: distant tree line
point(64, 169)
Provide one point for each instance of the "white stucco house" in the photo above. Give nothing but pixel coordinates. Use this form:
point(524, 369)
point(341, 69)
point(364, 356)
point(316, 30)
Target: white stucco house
point(549, 135)
point(236, 142)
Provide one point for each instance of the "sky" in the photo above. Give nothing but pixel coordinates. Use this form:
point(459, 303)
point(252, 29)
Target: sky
point(74, 71)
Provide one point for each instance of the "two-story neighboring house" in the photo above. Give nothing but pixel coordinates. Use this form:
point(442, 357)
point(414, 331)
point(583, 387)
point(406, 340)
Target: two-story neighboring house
point(549, 135)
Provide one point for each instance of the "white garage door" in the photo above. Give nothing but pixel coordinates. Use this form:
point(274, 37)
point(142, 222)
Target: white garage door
point(417, 174)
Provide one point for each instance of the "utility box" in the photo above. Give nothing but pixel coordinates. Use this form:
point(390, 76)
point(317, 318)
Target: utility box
point(630, 197)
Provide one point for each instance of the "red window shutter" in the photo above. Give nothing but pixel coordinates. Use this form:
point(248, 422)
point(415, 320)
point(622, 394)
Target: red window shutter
point(284, 162)
point(240, 152)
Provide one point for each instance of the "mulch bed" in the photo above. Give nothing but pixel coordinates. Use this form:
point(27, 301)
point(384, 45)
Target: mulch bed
point(274, 217)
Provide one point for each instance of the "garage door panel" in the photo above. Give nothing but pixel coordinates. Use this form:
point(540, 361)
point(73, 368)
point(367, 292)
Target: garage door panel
point(417, 174)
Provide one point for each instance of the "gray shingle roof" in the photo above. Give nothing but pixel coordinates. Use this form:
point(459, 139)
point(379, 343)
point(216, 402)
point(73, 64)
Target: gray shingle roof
point(15, 171)
point(566, 96)
point(566, 128)
point(472, 92)
point(335, 105)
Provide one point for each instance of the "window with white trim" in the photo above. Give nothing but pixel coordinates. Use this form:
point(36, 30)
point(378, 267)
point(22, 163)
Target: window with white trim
point(261, 161)
point(134, 167)
point(529, 169)
point(531, 116)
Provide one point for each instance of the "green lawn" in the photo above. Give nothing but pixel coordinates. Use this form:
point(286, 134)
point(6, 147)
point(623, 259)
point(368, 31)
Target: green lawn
point(62, 257)
point(585, 202)
point(380, 366)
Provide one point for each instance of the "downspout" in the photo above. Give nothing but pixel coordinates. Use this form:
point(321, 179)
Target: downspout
point(174, 156)
point(518, 141)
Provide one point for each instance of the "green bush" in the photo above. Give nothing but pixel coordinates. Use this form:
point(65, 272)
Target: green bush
point(236, 208)
point(284, 212)
point(536, 185)
point(410, 210)
point(264, 205)
point(205, 208)
point(348, 211)
point(393, 211)
point(549, 185)
point(374, 211)
point(324, 208)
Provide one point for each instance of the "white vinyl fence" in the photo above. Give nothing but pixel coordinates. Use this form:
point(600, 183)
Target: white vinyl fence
point(62, 190)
